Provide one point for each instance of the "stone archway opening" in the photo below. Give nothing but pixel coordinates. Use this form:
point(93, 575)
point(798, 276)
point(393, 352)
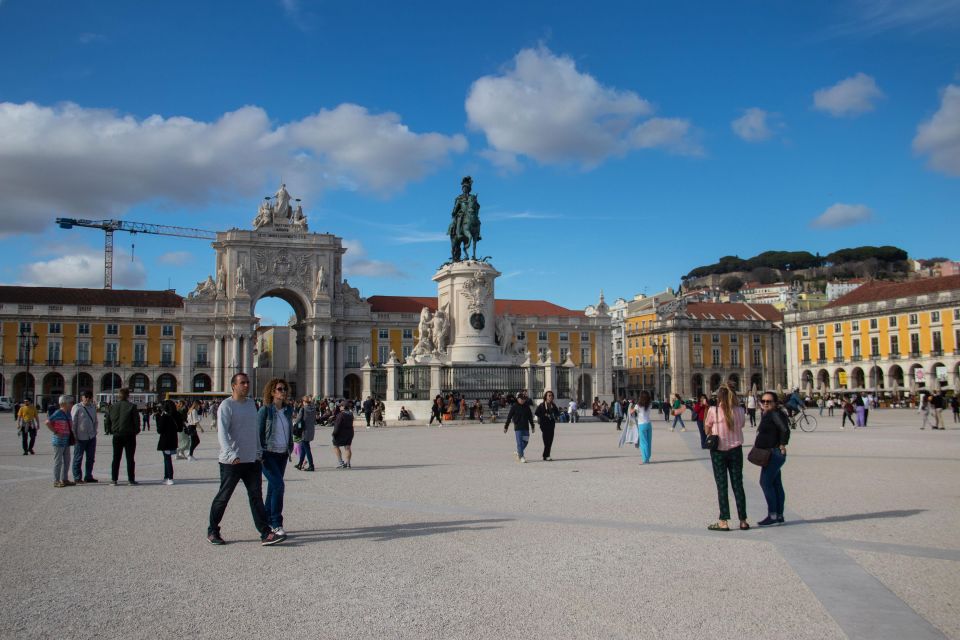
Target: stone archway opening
point(697, 385)
point(280, 346)
point(352, 387)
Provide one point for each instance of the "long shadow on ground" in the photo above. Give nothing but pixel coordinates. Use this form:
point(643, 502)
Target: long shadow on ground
point(895, 513)
point(386, 533)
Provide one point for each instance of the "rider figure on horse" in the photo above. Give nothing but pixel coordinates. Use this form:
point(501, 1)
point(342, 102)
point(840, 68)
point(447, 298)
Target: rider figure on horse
point(464, 228)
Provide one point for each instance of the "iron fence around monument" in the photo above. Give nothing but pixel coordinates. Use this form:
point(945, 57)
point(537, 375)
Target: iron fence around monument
point(539, 382)
point(480, 382)
point(563, 382)
point(413, 383)
point(378, 382)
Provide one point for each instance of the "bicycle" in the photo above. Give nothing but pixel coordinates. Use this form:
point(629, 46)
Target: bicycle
point(804, 420)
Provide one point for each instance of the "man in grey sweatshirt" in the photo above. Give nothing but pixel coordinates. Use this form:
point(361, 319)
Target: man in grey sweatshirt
point(84, 419)
point(240, 460)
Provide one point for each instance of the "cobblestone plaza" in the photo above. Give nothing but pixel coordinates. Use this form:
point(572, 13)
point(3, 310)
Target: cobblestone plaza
point(439, 533)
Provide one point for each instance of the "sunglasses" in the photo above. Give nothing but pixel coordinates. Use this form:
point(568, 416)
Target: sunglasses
point(767, 402)
point(280, 389)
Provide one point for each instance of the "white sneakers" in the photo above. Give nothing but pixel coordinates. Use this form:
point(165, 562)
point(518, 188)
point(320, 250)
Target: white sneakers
point(192, 459)
point(523, 460)
point(168, 481)
point(279, 531)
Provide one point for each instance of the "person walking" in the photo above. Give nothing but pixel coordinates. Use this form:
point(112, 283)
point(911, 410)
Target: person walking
point(122, 421)
point(28, 423)
point(848, 413)
point(436, 411)
point(700, 410)
point(572, 409)
point(630, 433)
point(859, 408)
point(677, 408)
point(83, 416)
point(547, 415)
point(821, 403)
point(192, 428)
point(307, 421)
point(925, 410)
point(955, 406)
point(644, 427)
point(936, 402)
point(830, 405)
point(239, 460)
point(618, 411)
point(773, 434)
point(752, 409)
point(725, 421)
point(275, 425)
point(61, 427)
point(343, 435)
point(368, 409)
point(521, 416)
point(168, 426)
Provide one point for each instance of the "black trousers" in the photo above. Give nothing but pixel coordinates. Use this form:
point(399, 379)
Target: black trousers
point(547, 433)
point(29, 437)
point(230, 476)
point(124, 444)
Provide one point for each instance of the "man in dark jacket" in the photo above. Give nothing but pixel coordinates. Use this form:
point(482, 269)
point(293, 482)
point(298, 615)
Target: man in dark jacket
point(521, 415)
point(367, 409)
point(343, 436)
point(123, 423)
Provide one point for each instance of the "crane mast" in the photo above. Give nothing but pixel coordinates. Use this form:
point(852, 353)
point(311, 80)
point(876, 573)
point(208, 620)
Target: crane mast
point(109, 226)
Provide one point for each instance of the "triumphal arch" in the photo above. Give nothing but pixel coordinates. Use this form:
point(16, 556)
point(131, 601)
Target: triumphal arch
point(278, 257)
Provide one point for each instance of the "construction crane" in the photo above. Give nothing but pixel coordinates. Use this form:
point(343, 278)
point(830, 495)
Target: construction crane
point(109, 226)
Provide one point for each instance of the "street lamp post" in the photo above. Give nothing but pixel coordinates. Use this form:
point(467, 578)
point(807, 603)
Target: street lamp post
point(28, 343)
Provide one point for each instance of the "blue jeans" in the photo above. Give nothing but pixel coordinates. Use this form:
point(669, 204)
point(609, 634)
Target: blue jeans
point(523, 438)
point(274, 464)
point(675, 418)
point(305, 453)
point(167, 466)
point(88, 447)
point(772, 484)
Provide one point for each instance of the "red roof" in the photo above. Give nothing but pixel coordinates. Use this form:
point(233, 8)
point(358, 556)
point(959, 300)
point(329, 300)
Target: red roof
point(885, 290)
point(738, 310)
point(413, 304)
point(90, 297)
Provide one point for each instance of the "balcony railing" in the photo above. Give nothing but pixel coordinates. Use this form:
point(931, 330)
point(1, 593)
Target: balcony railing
point(139, 363)
point(22, 362)
point(894, 356)
point(936, 353)
point(353, 365)
point(805, 361)
point(821, 361)
point(201, 364)
point(856, 357)
point(111, 363)
point(82, 362)
point(837, 359)
point(54, 362)
point(168, 363)
point(914, 354)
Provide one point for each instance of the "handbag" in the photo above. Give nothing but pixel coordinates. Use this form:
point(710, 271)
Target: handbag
point(678, 411)
point(759, 457)
point(713, 441)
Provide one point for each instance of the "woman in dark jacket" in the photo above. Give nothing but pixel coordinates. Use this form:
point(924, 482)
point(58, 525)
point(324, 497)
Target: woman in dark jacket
point(700, 411)
point(547, 415)
point(773, 433)
point(168, 425)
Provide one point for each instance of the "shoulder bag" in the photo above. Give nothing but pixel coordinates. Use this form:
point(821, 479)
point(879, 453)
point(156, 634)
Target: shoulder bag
point(713, 440)
point(758, 456)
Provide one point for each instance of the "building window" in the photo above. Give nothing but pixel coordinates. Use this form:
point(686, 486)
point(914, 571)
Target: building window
point(806, 353)
point(821, 329)
point(698, 356)
point(202, 353)
point(934, 316)
point(585, 359)
point(874, 324)
point(892, 320)
point(83, 352)
point(406, 350)
point(734, 338)
point(894, 345)
point(564, 336)
point(915, 344)
point(383, 353)
point(139, 353)
point(584, 337)
point(855, 326)
point(856, 348)
point(715, 338)
point(838, 349)
point(167, 331)
point(696, 338)
point(875, 346)
point(53, 327)
point(353, 354)
point(541, 335)
point(113, 330)
point(166, 353)
point(542, 353)
point(837, 327)
point(956, 314)
point(805, 331)
point(937, 341)
point(715, 357)
point(757, 360)
point(53, 351)
point(734, 357)
point(110, 351)
point(26, 327)
point(564, 352)
point(383, 334)
point(522, 336)
point(913, 319)
point(139, 329)
point(408, 334)
point(83, 329)
point(822, 350)
point(756, 339)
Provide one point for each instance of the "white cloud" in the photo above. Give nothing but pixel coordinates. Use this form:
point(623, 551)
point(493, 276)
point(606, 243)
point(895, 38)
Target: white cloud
point(755, 125)
point(674, 134)
point(84, 268)
point(843, 215)
point(356, 263)
point(419, 237)
point(70, 160)
point(175, 258)
point(939, 137)
point(849, 97)
point(543, 107)
point(872, 17)
point(89, 37)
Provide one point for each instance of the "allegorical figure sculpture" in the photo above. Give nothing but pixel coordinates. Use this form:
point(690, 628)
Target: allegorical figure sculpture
point(241, 278)
point(505, 335)
point(281, 209)
point(464, 229)
point(221, 281)
point(321, 282)
point(440, 326)
point(424, 340)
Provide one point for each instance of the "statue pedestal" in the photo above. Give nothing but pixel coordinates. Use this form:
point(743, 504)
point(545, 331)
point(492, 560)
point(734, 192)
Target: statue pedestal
point(466, 290)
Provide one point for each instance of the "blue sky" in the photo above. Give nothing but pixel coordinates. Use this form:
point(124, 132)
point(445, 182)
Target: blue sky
point(614, 146)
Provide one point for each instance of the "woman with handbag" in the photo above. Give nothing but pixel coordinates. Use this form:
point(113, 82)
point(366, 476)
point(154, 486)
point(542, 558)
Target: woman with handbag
point(168, 426)
point(700, 411)
point(304, 428)
point(773, 434)
point(678, 408)
point(725, 421)
point(547, 415)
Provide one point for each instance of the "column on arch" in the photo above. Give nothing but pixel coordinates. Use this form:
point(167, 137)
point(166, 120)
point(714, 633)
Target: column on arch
point(247, 356)
point(328, 388)
point(218, 363)
point(315, 388)
point(338, 370)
